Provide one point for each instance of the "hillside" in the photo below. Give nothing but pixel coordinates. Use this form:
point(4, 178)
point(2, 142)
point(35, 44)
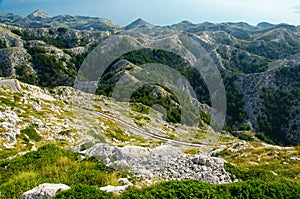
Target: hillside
point(33, 119)
point(258, 64)
point(201, 110)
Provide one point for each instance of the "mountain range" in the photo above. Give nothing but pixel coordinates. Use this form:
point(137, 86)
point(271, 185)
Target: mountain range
point(208, 110)
point(259, 64)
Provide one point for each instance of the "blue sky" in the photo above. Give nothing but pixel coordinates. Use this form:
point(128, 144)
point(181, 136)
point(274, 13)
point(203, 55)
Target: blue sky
point(165, 12)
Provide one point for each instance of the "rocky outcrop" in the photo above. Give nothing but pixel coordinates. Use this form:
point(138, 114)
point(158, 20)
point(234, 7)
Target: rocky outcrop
point(44, 191)
point(8, 38)
point(12, 57)
point(10, 131)
point(31, 108)
point(164, 162)
point(114, 189)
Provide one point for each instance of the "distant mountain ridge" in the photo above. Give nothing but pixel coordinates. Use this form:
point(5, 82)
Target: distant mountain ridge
point(41, 19)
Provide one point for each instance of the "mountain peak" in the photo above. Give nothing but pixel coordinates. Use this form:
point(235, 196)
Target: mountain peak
point(265, 25)
point(39, 14)
point(139, 23)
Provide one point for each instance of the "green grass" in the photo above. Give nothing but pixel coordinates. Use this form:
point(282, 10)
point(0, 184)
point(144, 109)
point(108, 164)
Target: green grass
point(193, 189)
point(245, 137)
point(84, 192)
point(196, 189)
point(267, 159)
point(140, 108)
point(50, 164)
point(31, 133)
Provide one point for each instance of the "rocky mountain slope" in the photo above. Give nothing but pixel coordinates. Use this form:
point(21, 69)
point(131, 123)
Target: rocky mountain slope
point(40, 19)
point(258, 64)
point(32, 117)
point(114, 133)
point(123, 138)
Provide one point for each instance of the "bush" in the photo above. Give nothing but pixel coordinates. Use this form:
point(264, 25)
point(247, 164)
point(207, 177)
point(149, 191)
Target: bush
point(84, 192)
point(197, 189)
point(2, 44)
point(66, 132)
point(252, 174)
point(50, 71)
point(264, 138)
point(31, 133)
point(245, 137)
point(140, 108)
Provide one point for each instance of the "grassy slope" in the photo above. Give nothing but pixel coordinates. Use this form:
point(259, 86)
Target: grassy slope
point(54, 165)
point(50, 164)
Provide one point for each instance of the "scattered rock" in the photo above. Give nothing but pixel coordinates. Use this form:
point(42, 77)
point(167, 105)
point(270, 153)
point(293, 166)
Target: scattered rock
point(11, 132)
point(164, 162)
point(295, 159)
point(114, 189)
point(125, 181)
point(44, 191)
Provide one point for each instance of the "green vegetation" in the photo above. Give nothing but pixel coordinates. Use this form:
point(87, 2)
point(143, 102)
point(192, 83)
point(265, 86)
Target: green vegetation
point(274, 49)
point(58, 41)
point(235, 113)
point(245, 137)
point(51, 164)
point(206, 118)
point(252, 174)
point(264, 138)
point(77, 60)
point(170, 102)
point(159, 56)
point(140, 120)
point(261, 162)
point(50, 71)
point(277, 108)
point(66, 132)
point(31, 133)
point(24, 73)
point(244, 127)
point(240, 62)
point(2, 44)
point(140, 108)
point(196, 189)
point(84, 192)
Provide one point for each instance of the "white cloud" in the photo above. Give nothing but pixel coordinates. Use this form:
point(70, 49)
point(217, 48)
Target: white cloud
point(297, 9)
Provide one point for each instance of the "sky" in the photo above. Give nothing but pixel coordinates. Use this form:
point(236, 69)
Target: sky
point(165, 12)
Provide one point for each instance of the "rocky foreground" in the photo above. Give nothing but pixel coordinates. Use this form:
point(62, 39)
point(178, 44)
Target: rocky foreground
point(164, 162)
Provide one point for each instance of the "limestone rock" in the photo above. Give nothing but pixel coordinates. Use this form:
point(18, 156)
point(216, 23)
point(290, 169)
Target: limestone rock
point(44, 191)
point(164, 162)
point(114, 189)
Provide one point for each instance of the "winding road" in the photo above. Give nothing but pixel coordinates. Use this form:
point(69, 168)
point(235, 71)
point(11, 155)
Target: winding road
point(13, 83)
point(142, 132)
